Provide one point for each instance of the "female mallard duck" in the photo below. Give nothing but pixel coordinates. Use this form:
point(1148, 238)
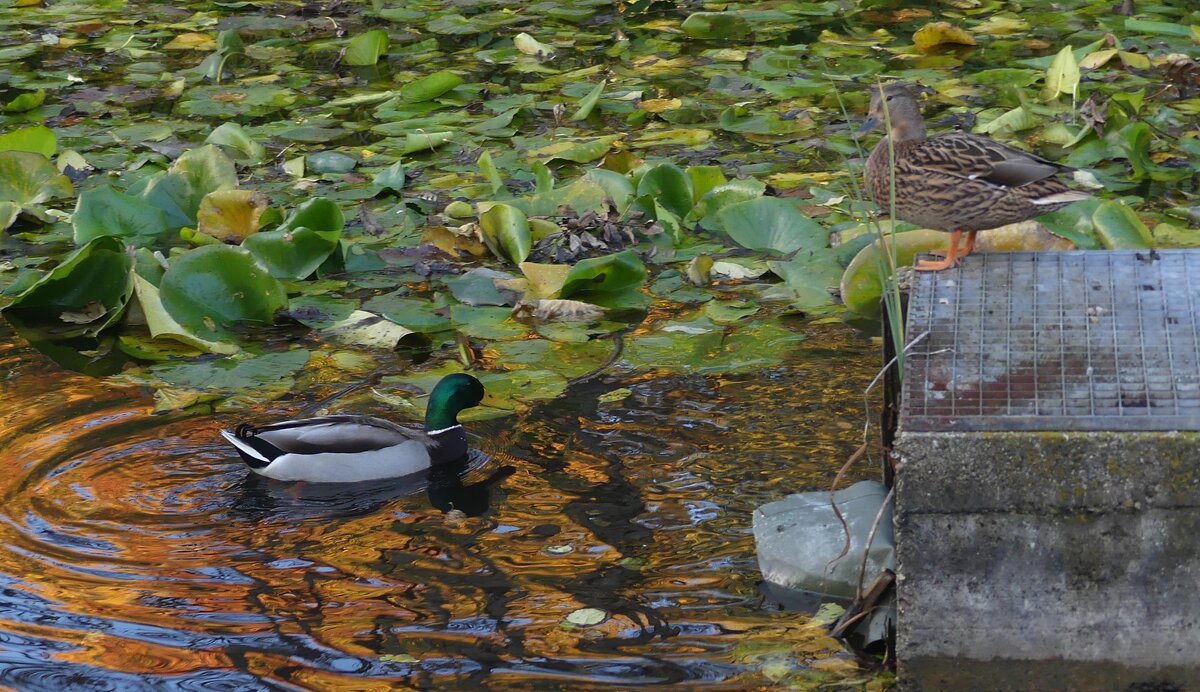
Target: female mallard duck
point(955, 181)
point(347, 448)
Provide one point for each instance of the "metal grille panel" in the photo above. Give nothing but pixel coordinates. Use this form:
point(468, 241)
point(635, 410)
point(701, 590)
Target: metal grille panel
point(1072, 341)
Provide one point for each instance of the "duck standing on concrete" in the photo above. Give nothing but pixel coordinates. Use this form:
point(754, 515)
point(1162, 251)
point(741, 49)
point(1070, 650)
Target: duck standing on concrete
point(955, 182)
point(349, 448)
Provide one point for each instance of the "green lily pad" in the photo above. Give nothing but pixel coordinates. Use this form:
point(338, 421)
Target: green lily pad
point(616, 273)
point(163, 326)
point(390, 178)
point(724, 195)
point(27, 179)
point(715, 25)
point(431, 87)
point(235, 373)
point(577, 150)
point(85, 294)
point(179, 190)
point(235, 137)
point(214, 287)
point(862, 282)
point(770, 223)
point(506, 232)
point(670, 186)
point(492, 323)
point(1119, 228)
point(104, 211)
point(478, 287)
point(698, 345)
point(302, 243)
point(38, 139)
point(366, 48)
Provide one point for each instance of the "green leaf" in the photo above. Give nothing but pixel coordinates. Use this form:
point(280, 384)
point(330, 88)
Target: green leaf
point(1161, 28)
point(88, 291)
point(38, 139)
point(431, 87)
point(390, 178)
point(609, 274)
point(366, 48)
point(302, 243)
point(488, 168)
point(589, 102)
point(770, 223)
point(577, 150)
point(698, 345)
point(234, 373)
point(1119, 228)
point(26, 102)
point(670, 186)
point(214, 287)
point(179, 190)
point(704, 179)
point(232, 135)
point(862, 282)
point(1015, 120)
point(506, 232)
point(27, 179)
point(715, 25)
point(426, 141)
point(617, 188)
point(163, 326)
point(1062, 77)
point(104, 211)
point(724, 195)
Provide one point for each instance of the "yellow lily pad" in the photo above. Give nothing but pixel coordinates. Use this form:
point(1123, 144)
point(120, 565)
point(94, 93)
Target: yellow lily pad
point(936, 34)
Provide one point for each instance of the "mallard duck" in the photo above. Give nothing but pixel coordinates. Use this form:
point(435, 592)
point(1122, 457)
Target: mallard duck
point(348, 448)
point(956, 182)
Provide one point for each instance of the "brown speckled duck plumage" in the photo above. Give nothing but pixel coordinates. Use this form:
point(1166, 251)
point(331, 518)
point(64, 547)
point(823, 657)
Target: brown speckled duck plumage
point(956, 181)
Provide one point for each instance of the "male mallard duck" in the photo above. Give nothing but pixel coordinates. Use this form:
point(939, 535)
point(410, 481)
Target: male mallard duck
point(346, 448)
point(955, 181)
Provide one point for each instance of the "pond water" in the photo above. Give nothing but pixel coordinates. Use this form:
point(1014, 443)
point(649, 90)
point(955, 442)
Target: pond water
point(136, 550)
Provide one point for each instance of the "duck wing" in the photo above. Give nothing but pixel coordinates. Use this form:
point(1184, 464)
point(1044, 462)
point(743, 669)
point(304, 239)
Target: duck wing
point(344, 434)
point(968, 156)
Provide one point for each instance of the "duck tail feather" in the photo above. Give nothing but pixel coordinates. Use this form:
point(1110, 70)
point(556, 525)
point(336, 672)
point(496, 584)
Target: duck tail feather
point(255, 451)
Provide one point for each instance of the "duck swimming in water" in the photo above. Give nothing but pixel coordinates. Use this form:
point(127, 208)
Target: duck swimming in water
point(348, 448)
point(955, 182)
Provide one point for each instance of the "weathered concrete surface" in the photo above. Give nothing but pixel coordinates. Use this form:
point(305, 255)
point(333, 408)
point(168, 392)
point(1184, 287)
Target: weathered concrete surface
point(1048, 560)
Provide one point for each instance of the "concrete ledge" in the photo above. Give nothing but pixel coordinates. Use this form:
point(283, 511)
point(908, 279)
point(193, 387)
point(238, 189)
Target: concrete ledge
point(1060, 551)
point(979, 472)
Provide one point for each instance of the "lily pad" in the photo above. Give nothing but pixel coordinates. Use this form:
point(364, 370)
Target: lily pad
point(302, 243)
point(616, 273)
point(27, 179)
point(670, 186)
point(38, 139)
point(179, 190)
point(85, 294)
point(862, 282)
point(104, 211)
point(231, 215)
point(506, 232)
point(770, 223)
point(1119, 228)
point(366, 329)
point(366, 48)
point(163, 326)
point(214, 287)
point(430, 87)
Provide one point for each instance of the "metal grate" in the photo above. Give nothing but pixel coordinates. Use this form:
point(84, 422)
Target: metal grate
point(1055, 341)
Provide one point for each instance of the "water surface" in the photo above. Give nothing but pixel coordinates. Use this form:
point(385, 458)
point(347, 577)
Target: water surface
point(136, 550)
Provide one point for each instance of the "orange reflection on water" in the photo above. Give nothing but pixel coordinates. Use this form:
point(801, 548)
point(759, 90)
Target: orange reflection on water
point(137, 545)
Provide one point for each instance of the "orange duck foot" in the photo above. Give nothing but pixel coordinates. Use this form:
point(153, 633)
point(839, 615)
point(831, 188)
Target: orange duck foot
point(952, 255)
